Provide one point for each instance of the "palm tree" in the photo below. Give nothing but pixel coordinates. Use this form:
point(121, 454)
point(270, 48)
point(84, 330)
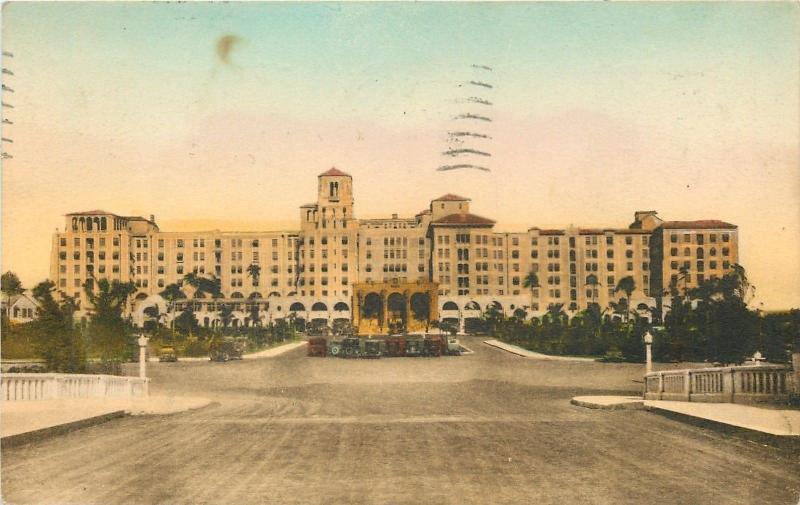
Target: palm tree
point(591, 280)
point(531, 281)
point(684, 273)
point(254, 271)
point(225, 313)
point(171, 294)
point(627, 285)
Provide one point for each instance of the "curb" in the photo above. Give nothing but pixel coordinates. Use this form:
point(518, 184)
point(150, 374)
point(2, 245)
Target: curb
point(60, 429)
point(524, 353)
point(752, 434)
point(631, 405)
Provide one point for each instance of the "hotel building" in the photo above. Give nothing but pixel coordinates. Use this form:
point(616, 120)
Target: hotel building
point(335, 265)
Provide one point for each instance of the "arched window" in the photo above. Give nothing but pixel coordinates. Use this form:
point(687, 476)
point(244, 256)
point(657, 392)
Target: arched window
point(297, 307)
point(699, 253)
point(450, 306)
point(319, 306)
point(74, 224)
point(341, 307)
point(89, 224)
point(472, 306)
point(103, 223)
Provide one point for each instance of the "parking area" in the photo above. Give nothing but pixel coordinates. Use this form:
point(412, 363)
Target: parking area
point(487, 427)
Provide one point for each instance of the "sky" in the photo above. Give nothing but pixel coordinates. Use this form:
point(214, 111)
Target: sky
point(221, 115)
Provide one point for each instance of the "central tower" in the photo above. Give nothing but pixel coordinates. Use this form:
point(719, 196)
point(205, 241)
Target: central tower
point(334, 200)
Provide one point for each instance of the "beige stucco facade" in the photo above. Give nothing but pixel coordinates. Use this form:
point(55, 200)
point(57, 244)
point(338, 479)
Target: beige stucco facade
point(311, 271)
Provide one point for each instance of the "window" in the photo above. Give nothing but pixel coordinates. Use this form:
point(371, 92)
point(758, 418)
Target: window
point(673, 238)
point(726, 251)
point(116, 242)
point(609, 240)
point(180, 242)
point(628, 240)
point(63, 242)
point(726, 237)
point(673, 251)
point(630, 266)
point(687, 237)
point(629, 254)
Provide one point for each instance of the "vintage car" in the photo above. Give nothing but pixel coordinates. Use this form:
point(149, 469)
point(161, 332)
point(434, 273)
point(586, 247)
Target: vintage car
point(317, 346)
point(372, 348)
point(167, 353)
point(414, 346)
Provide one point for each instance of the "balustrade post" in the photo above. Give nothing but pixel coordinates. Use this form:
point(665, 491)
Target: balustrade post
point(728, 385)
point(687, 385)
point(660, 385)
point(796, 373)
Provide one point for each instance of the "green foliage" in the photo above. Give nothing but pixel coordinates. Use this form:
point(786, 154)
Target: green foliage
point(108, 333)
point(10, 284)
point(57, 340)
point(708, 323)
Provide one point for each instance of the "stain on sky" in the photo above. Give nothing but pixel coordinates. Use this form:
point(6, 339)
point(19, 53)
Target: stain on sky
point(225, 45)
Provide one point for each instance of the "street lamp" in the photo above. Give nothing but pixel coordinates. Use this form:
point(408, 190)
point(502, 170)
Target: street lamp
point(648, 342)
point(143, 356)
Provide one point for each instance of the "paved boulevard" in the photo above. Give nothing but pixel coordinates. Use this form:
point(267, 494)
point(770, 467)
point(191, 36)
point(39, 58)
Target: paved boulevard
point(480, 429)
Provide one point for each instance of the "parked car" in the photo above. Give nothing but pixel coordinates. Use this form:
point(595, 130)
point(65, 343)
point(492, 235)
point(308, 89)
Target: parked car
point(167, 353)
point(317, 346)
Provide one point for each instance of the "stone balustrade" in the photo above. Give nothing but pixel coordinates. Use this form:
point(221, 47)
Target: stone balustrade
point(734, 384)
point(51, 386)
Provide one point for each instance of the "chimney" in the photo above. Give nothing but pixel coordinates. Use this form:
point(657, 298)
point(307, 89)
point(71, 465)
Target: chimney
point(152, 218)
point(394, 216)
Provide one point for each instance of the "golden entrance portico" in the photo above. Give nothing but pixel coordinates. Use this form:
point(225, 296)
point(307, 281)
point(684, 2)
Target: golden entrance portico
point(384, 307)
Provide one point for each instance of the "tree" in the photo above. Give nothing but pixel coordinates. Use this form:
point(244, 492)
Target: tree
point(202, 285)
point(627, 285)
point(171, 294)
point(255, 312)
point(186, 322)
point(531, 281)
point(107, 329)
point(254, 271)
point(58, 341)
point(11, 285)
point(226, 313)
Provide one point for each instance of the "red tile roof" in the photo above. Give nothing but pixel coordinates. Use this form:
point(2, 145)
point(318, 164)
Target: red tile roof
point(426, 211)
point(90, 213)
point(551, 232)
point(464, 219)
point(698, 225)
point(335, 172)
point(450, 197)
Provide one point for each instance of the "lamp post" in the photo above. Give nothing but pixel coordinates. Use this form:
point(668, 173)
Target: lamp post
point(143, 356)
point(648, 342)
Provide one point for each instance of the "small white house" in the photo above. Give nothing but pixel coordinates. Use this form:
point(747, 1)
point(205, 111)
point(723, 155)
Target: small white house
point(21, 308)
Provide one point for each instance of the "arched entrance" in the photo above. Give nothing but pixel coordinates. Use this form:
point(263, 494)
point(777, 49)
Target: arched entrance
point(397, 316)
point(381, 307)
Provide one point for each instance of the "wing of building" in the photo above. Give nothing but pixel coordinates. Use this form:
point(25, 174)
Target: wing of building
point(313, 271)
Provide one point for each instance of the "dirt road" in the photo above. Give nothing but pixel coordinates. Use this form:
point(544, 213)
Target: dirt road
point(489, 428)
